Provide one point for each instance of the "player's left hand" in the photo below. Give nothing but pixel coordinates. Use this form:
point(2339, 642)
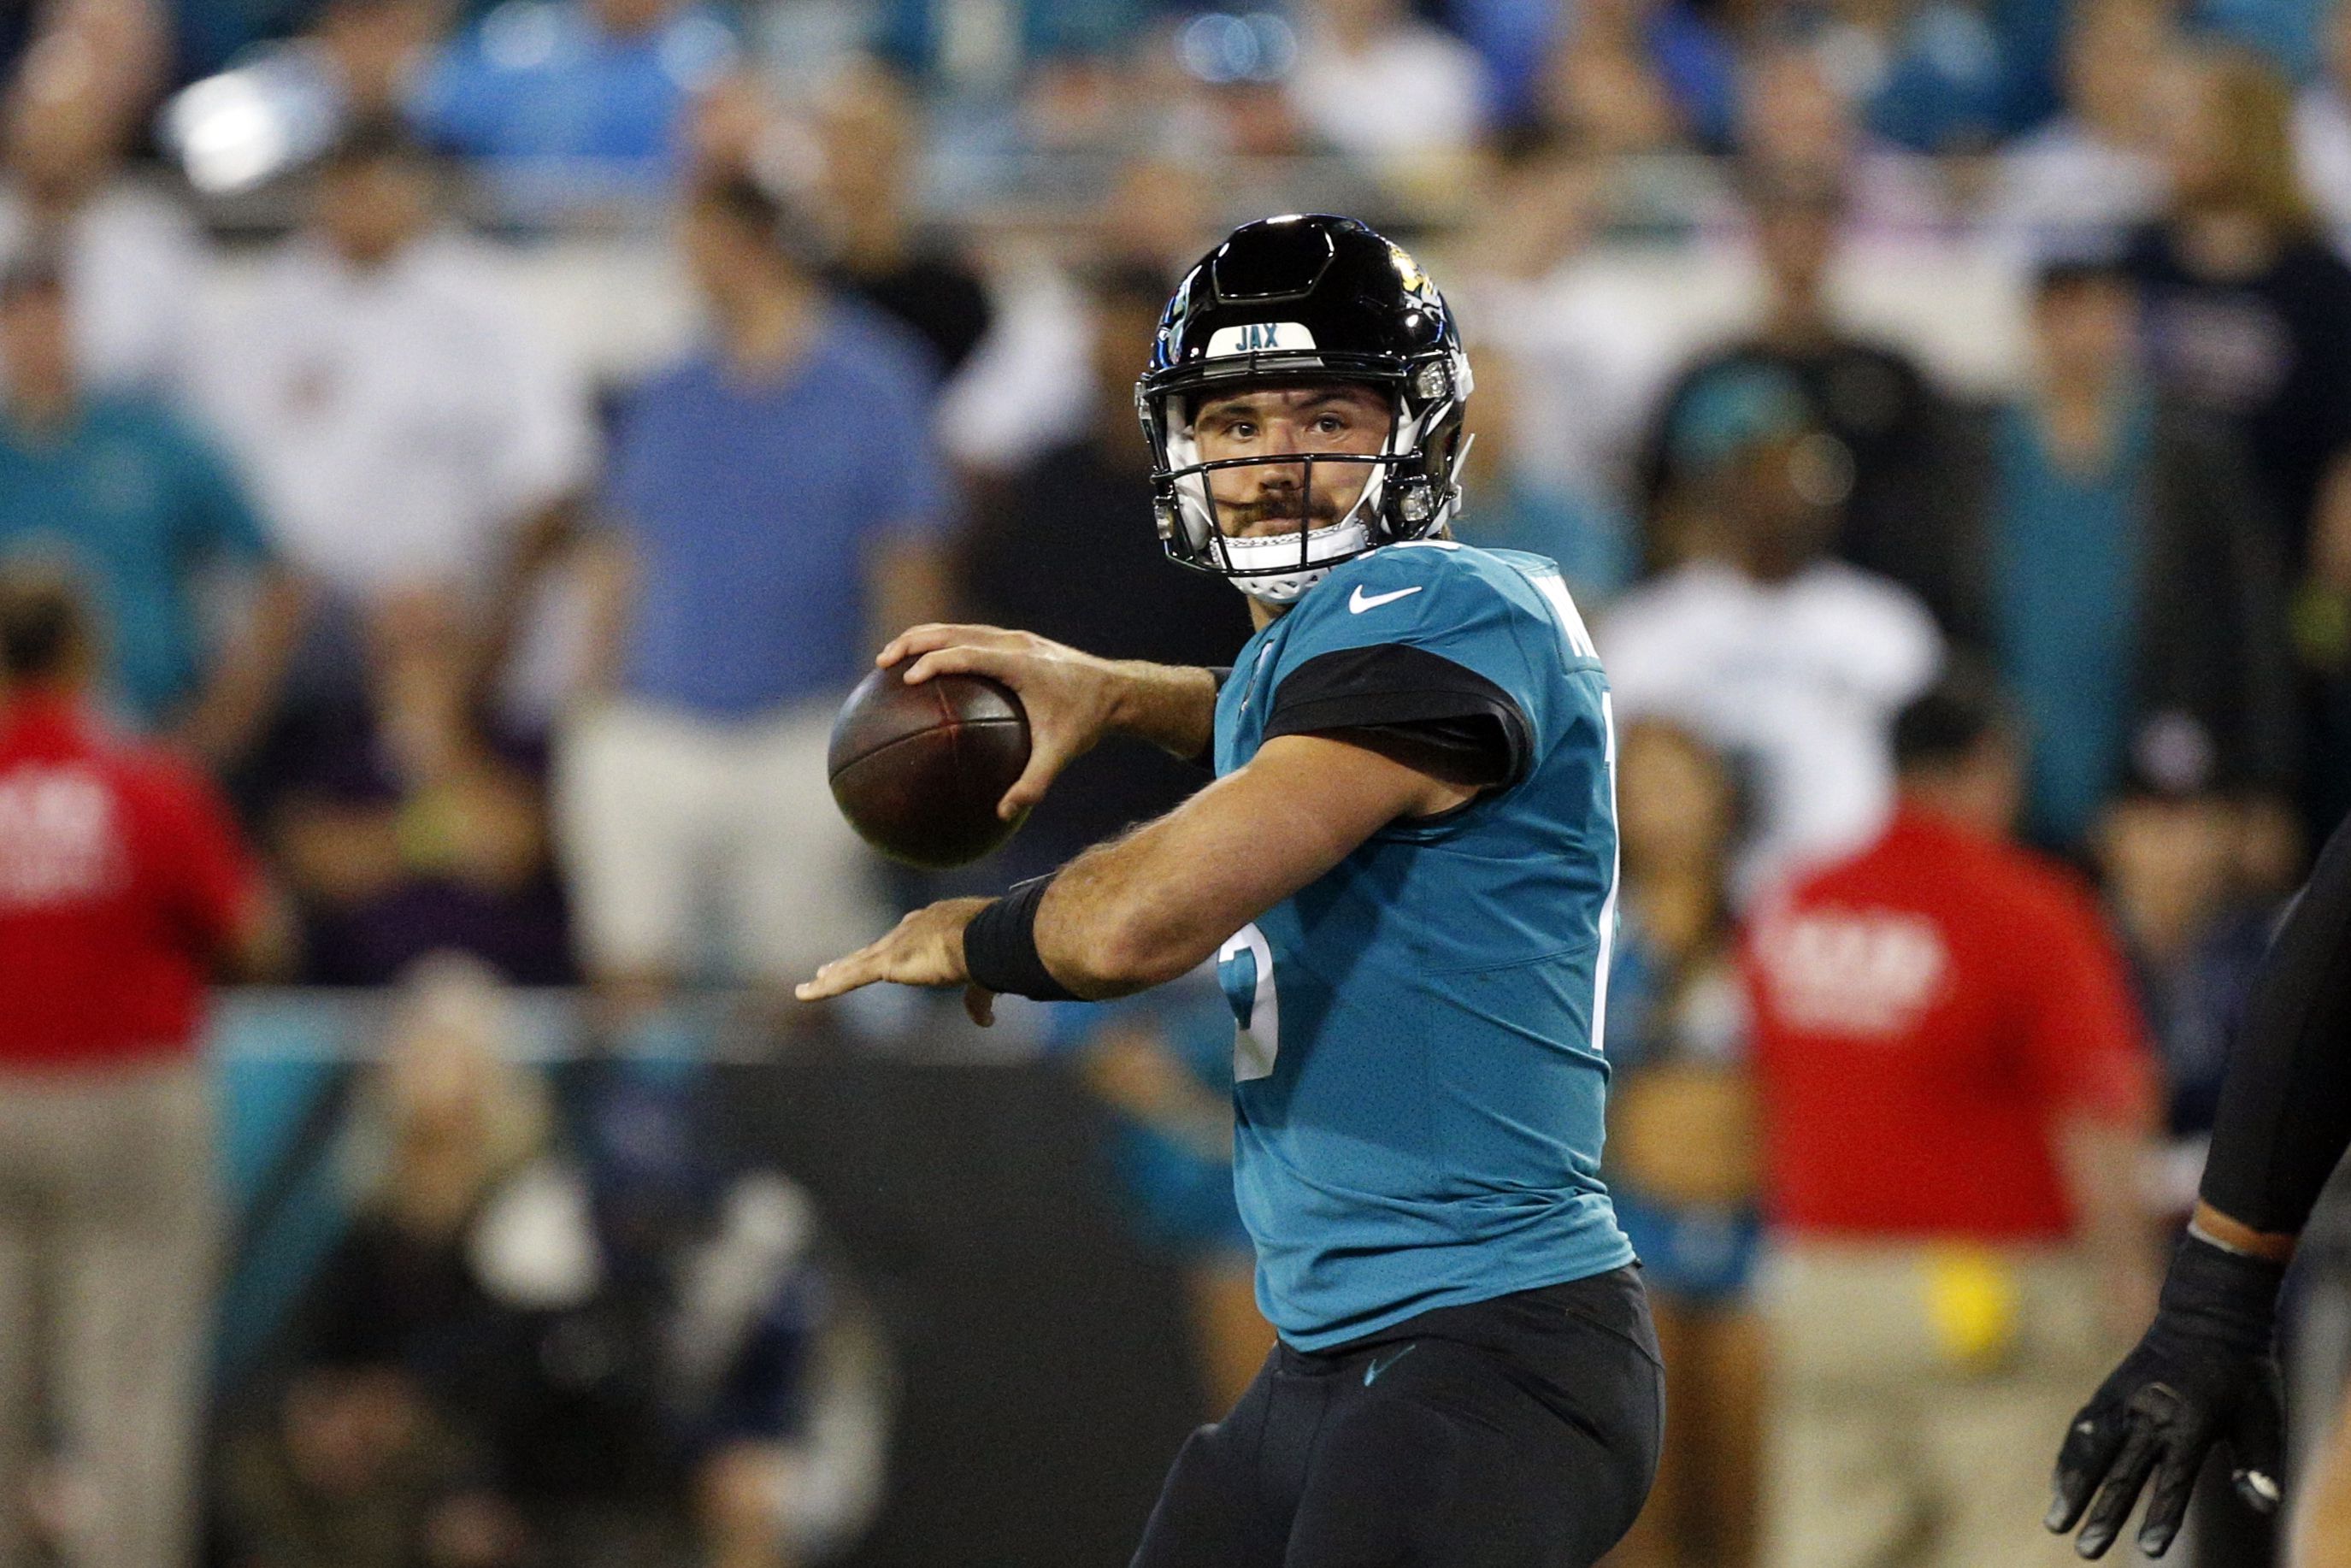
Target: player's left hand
point(926, 948)
point(2205, 1373)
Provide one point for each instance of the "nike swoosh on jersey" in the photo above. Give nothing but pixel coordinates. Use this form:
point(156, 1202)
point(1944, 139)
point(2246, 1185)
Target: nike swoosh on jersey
point(1360, 601)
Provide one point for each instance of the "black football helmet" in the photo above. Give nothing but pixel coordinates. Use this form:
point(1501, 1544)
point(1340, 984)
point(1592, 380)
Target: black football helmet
point(1309, 297)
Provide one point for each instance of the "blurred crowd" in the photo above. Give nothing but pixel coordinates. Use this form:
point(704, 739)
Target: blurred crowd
point(1942, 409)
point(492, 630)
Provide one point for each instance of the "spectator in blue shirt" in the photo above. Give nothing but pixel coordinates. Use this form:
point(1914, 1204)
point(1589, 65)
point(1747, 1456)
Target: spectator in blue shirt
point(1635, 74)
point(569, 99)
point(1946, 86)
point(2134, 590)
point(775, 511)
point(140, 509)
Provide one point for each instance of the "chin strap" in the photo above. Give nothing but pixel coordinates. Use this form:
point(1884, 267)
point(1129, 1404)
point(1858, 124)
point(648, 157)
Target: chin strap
point(1340, 542)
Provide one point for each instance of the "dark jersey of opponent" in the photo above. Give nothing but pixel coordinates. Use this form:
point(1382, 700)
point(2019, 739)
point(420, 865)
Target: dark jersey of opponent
point(2284, 1118)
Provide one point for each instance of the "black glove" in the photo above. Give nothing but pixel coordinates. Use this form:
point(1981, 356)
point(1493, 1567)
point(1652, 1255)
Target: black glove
point(2206, 1371)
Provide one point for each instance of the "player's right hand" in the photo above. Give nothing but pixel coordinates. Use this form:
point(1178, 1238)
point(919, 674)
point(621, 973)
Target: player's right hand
point(1071, 697)
point(2205, 1373)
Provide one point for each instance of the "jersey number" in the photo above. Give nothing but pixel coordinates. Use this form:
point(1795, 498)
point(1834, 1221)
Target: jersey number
point(1245, 969)
point(1580, 645)
point(1571, 622)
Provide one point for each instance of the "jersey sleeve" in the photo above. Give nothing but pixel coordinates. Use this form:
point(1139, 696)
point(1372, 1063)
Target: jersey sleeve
point(208, 881)
point(2088, 1045)
point(1412, 642)
point(220, 519)
point(629, 476)
point(2285, 1119)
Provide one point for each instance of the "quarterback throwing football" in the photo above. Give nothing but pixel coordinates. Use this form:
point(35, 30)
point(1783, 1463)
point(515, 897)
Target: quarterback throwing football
point(1406, 870)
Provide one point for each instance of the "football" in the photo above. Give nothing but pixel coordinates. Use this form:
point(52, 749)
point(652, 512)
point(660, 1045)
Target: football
point(918, 770)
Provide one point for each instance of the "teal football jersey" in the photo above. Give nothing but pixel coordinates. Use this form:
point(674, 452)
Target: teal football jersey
point(1420, 1078)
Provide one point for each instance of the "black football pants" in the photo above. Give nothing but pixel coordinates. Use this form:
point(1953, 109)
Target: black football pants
point(1520, 1432)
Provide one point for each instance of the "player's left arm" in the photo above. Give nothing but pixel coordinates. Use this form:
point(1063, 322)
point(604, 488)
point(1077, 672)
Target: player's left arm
point(1141, 910)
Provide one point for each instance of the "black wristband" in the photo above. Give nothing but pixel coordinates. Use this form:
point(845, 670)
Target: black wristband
point(1000, 947)
point(2223, 1295)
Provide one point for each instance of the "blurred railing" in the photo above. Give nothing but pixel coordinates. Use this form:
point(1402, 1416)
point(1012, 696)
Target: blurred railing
point(959, 1175)
point(1671, 263)
point(984, 192)
point(286, 1062)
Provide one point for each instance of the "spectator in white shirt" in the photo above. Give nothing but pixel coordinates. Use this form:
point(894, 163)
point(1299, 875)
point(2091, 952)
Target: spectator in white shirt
point(1569, 366)
point(2322, 133)
point(134, 264)
point(1373, 82)
point(1790, 664)
point(411, 437)
point(2092, 173)
point(417, 449)
point(1015, 399)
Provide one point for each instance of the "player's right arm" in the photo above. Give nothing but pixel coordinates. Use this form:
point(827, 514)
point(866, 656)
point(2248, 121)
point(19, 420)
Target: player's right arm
point(2206, 1371)
point(1072, 699)
point(1140, 910)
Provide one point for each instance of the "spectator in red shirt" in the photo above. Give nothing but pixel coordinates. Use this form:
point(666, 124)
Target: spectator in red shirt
point(121, 882)
point(1956, 1093)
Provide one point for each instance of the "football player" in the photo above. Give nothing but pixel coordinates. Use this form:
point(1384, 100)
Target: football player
point(2206, 1373)
point(1406, 870)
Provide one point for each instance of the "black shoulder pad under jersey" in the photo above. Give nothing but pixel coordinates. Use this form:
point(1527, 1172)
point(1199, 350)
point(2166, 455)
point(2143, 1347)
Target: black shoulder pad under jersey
point(1399, 688)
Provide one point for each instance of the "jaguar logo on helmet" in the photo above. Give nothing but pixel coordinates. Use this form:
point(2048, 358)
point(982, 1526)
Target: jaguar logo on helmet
point(1320, 297)
point(1416, 282)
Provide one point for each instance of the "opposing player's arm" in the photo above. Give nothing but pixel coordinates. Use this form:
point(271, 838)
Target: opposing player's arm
point(2206, 1371)
point(1141, 910)
point(1072, 699)
point(2283, 1123)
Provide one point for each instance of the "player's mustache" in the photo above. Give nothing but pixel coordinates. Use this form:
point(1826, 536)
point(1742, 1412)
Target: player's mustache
point(1282, 506)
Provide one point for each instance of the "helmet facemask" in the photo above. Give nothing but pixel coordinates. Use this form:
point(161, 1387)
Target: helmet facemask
point(1400, 496)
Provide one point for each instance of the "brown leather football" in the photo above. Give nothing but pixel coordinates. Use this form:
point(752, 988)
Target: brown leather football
point(918, 770)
